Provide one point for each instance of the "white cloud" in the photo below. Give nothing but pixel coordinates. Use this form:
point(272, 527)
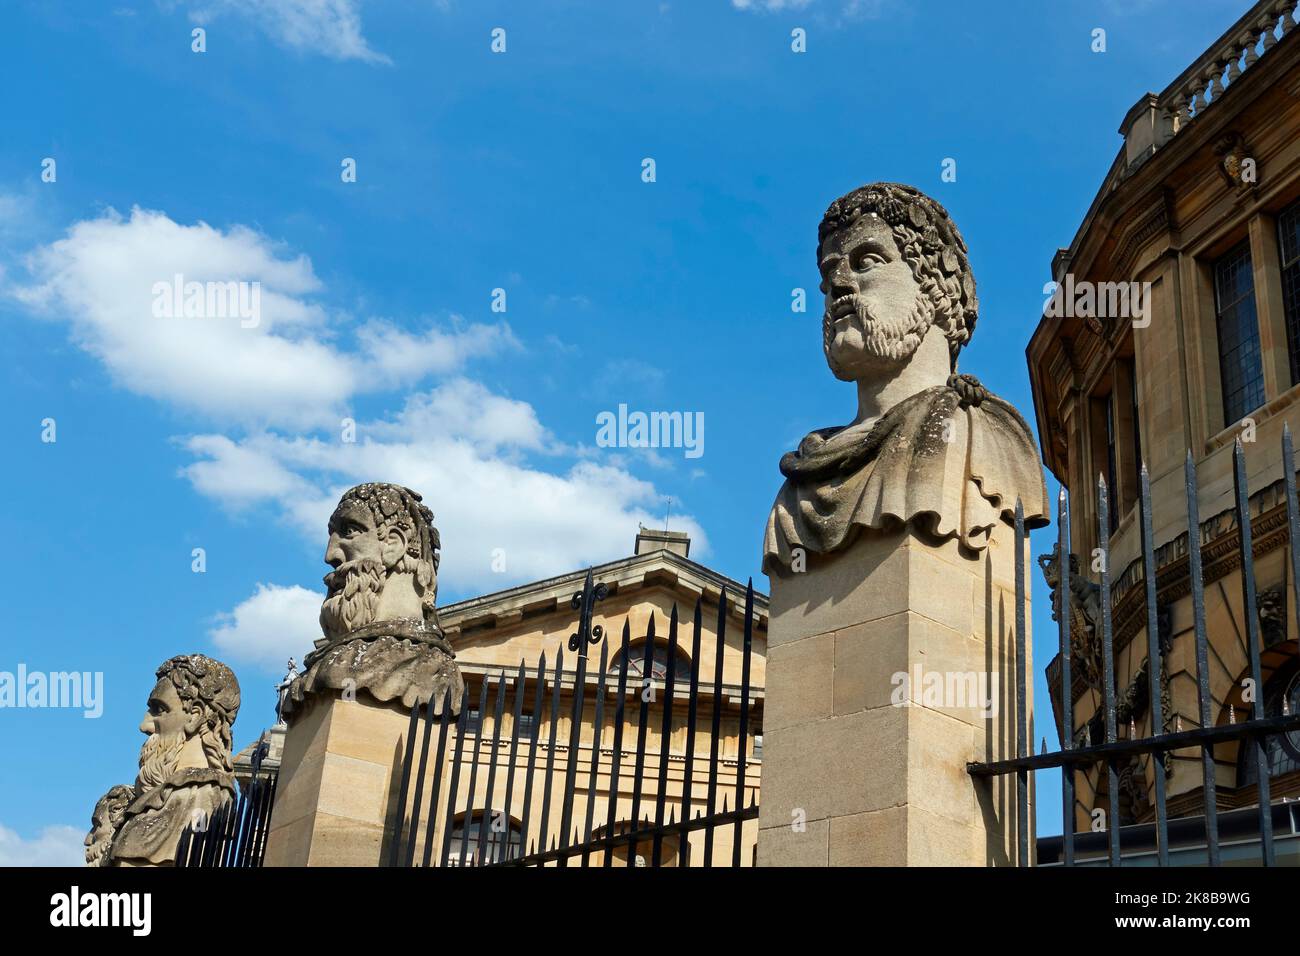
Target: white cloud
point(406, 357)
point(276, 394)
point(271, 626)
point(463, 449)
point(289, 370)
point(464, 410)
point(619, 375)
point(21, 216)
point(57, 845)
point(770, 5)
point(239, 474)
point(331, 28)
point(849, 9)
point(14, 209)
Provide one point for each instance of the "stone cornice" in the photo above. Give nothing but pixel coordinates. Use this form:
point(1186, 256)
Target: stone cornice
point(690, 579)
point(1158, 219)
point(1125, 184)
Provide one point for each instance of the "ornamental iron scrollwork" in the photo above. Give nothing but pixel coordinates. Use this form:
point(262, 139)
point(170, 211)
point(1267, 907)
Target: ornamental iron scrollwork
point(585, 601)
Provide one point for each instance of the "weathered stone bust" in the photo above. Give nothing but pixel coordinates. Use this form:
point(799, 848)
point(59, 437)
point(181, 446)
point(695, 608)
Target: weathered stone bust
point(928, 447)
point(379, 617)
point(104, 821)
point(186, 768)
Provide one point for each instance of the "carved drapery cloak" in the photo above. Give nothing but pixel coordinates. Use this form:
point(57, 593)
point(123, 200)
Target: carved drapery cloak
point(950, 468)
point(404, 660)
point(151, 826)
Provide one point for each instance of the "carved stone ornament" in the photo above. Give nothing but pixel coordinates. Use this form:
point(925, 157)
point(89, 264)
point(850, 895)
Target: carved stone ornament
point(1235, 161)
point(1133, 803)
point(1085, 612)
point(1271, 608)
point(186, 767)
point(1130, 704)
point(379, 617)
point(929, 448)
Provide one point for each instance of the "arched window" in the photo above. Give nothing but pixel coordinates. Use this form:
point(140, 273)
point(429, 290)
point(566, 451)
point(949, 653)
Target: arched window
point(658, 662)
point(1283, 750)
point(644, 854)
point(502, 840)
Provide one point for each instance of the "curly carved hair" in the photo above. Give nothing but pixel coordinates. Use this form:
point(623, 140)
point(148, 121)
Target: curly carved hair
point(212, 685)
point(931, 245)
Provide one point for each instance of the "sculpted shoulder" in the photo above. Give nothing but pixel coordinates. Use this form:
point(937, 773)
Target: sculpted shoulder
point(951, 459)
point(925, 419)
point(153, 823)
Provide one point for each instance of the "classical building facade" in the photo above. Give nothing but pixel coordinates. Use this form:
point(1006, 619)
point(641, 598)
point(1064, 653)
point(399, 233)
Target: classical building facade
point(1175, 327)
point(494, 633)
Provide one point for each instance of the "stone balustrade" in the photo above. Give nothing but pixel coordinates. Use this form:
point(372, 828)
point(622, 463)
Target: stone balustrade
point(1205, 81)
point(1155, 120)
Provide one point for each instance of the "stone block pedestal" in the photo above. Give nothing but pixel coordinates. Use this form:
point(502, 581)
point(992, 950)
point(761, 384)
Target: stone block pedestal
point(340, 778)
point(890, 666)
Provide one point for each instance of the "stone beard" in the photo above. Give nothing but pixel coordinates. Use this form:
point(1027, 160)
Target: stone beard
point(379, 619)
point(353, 596)
point(929, 448)
point(160, 755)
point(186, 766)
point(855, 324)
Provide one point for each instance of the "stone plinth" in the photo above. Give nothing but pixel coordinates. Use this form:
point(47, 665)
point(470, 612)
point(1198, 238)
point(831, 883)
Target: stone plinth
point(340, 778)
point(850, 775)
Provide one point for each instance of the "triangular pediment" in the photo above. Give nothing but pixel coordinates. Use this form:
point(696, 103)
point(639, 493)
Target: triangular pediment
point(680, 579)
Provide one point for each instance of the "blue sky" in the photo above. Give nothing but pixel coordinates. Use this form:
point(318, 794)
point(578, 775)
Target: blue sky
point(475, 171)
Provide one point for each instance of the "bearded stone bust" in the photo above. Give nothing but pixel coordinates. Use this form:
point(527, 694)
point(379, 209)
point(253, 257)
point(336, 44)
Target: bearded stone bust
point(379, 618)
point(107, 816)
point(929, 448)
point(186, 768)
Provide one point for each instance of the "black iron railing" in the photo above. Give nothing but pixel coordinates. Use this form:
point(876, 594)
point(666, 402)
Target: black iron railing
point(474, 831)
point(1253, 732)
point(235, 834)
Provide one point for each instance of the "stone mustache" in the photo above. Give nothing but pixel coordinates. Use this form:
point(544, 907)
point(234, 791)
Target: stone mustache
point(186, 768)
point(379, 618)
point(929, 448)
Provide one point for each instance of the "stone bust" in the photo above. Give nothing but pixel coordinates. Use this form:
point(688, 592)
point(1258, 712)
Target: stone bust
point(929, 448)
point(186, 766)
point(104, 822)
point(383, 549)
point(379, 618)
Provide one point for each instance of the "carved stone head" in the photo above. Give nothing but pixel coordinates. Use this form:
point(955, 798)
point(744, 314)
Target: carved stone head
point(188, 719)
point(383, 548)
point(104, 821)
point(1051, 565)
point(892, 265)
